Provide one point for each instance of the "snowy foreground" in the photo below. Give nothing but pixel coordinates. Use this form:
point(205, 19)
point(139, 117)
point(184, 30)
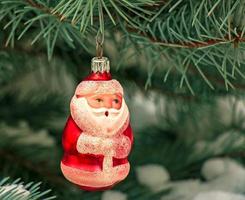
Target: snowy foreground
point(224, 180)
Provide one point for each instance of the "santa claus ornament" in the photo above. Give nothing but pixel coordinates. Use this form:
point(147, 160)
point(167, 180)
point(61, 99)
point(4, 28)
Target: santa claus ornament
point(97, 138)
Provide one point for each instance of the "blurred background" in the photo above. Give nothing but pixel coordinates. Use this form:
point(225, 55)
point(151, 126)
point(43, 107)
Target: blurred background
point(188, 123)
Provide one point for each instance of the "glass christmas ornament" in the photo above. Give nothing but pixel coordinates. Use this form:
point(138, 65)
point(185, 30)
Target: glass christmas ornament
point(97, 138)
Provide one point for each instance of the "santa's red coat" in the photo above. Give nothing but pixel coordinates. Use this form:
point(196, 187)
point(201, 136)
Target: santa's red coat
point(86, 162)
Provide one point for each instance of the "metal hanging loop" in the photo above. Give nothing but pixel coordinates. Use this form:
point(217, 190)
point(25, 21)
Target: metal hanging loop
point(99, 44)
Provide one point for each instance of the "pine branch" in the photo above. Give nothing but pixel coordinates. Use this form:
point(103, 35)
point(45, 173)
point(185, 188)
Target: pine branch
point(221, 82)
point(71, 21)
point(238, 154)
point(236, 39)
point(17, 190)
point(44, 9)
point(156, 4)
point(38, 168)
point(140, 78)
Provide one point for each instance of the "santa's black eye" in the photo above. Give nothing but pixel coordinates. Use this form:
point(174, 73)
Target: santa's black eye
point(99, 100)
point(116, 100)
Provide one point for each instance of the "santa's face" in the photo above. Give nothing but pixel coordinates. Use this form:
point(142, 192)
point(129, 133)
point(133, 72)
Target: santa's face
point(107, 101)
point(100, 113)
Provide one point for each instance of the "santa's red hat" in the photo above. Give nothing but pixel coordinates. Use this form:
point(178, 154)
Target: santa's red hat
point(99, 81)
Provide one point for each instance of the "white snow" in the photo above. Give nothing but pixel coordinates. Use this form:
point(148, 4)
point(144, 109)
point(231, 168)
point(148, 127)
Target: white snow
point(221, 174)
point(143, 111)
point(214, 168)
point(231, 109)
point(41, 137)
point(23, 134)
point(183, 190)
point(218, 195)
point(152, 175)
point(230, 139)
point(227, 175)
point(113, 195)
point(19, 189)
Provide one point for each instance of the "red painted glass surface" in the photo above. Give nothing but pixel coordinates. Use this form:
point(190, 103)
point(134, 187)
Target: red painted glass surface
point(98, 76)
point(85, 162)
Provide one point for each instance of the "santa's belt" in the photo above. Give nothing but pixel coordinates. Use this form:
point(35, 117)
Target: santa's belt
point(89, 162)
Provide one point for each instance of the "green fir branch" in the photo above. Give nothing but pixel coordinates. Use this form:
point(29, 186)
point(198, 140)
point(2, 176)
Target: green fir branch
point(18, 190)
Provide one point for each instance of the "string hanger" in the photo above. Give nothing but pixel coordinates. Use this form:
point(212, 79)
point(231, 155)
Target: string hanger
point(99, 44)
point(100, 63)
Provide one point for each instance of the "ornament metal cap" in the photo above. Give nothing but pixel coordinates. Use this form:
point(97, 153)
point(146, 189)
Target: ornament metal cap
point(100, 64)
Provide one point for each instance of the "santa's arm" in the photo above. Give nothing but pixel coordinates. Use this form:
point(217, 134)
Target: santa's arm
point(124, 144)
point(88, 144)
point(70, 136)
point(129, 133)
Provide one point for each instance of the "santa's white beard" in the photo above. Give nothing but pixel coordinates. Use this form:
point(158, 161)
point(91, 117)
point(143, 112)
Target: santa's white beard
point(101, 121)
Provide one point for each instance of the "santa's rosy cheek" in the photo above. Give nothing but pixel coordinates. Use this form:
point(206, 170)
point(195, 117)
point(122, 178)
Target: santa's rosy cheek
point(116, 105)
point(95, 103)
